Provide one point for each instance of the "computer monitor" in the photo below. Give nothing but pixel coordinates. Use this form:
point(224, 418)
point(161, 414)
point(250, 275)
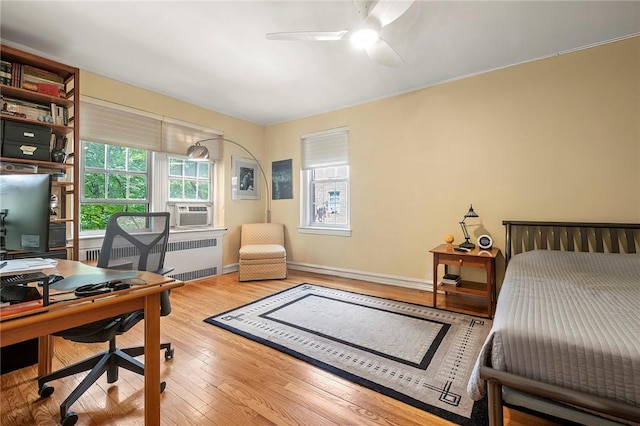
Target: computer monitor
point(24, 212)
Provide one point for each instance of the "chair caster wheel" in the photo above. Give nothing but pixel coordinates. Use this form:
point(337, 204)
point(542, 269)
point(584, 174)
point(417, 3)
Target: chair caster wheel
point(70, 419)
point(45, 391)
point(163, 385)
point(168, 354)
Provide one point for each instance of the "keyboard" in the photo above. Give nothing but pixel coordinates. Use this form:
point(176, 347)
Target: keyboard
point(22, 278)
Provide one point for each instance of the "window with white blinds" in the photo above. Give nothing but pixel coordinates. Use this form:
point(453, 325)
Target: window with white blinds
point(117, 165)
point(324, 149)
point(325, 198)
point(112, 124)
point(178, 136)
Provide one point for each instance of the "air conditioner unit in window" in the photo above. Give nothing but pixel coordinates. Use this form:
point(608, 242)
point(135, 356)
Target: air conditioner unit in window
point(188, 215)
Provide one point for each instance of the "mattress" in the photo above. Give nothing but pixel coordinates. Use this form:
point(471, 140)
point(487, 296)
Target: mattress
point(568, 319)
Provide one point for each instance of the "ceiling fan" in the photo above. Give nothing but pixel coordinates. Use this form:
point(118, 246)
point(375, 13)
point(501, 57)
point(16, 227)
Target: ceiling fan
point(366, 35)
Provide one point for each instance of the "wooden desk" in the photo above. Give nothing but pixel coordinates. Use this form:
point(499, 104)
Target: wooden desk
point(43, 321)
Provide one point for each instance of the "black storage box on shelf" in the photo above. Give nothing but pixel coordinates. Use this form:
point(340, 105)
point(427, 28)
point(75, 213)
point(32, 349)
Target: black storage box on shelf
point(57, 235)
point(26, 140)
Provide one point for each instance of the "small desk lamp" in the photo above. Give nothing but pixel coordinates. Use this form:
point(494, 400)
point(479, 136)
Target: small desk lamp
point(467, 244)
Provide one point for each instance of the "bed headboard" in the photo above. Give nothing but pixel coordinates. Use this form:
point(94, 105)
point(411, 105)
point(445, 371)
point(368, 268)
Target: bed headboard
point(571, 236)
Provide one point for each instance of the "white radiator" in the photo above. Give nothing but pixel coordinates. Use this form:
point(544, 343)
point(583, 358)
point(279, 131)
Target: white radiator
point(192, 256)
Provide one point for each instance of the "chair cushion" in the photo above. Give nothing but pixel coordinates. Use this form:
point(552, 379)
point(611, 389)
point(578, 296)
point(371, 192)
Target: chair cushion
point(262, 251)
point(262, 233)
point(102, 330)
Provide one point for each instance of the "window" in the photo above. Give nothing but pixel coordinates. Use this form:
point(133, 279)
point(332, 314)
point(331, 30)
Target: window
point(325, 183)
point(329, 196)
point(113, 179)
point(189, 180)
point(124, 148)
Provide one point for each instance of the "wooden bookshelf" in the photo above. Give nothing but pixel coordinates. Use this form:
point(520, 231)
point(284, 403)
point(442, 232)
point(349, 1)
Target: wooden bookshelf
point(65, 175)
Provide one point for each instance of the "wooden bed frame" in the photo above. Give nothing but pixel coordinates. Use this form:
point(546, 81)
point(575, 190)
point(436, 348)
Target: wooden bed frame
point(565, 236)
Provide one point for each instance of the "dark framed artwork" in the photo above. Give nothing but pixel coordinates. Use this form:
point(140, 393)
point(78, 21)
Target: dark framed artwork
point(244, 183)
point(282, 180)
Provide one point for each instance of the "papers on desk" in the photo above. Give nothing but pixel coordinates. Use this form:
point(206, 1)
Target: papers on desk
point(15, 266)
point(74, 281)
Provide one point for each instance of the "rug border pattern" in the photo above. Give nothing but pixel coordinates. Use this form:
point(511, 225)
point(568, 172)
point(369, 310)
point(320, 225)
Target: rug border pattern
point(479, 411)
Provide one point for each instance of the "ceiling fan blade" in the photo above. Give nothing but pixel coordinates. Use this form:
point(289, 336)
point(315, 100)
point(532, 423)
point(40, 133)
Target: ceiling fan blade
point(387, 11)
point(384, 54)
point(308, 35)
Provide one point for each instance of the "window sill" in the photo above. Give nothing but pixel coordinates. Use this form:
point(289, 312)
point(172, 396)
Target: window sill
point(338, 232)
point(92, 235)
point(186, 229)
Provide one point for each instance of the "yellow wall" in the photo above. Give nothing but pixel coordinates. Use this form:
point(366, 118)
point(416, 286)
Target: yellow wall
point(555, 139)
point(248, 134)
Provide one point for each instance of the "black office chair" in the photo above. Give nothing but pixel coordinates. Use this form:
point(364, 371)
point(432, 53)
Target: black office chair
point(133, 241)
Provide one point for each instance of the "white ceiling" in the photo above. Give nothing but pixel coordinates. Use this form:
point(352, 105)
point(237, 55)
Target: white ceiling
point(214, 53)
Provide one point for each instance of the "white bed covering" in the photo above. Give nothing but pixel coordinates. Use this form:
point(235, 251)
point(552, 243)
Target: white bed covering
point(568, 319)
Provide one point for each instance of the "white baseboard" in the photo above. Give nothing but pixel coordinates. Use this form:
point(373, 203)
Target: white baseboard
point(414, 283)
point(228, 269)
point(408, 282)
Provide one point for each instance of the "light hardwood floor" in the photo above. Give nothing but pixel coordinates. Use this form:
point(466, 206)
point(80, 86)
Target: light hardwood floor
point(218, 378)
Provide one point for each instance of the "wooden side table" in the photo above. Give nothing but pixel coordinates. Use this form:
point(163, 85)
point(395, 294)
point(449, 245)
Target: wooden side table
point(476, 258)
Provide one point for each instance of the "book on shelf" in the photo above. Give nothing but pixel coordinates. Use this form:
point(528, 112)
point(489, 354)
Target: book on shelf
point(5, 66)
point(48, 89)
point(38, 74)
point(70, 114)
point(451, 279)
point(70, 86)
point(42, 81)
point(32, 79)
point(30, 110)
point(54, 114)
point(16, 72)
point(5, 73)
point(59, 114)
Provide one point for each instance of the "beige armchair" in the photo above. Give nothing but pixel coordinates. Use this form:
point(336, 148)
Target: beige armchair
point(262, 253)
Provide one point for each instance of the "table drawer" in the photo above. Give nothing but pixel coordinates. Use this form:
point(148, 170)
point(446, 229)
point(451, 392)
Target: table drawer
point(456, 260)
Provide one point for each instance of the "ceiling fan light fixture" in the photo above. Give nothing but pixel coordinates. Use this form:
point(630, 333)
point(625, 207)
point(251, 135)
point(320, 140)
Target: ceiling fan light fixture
point(364, 37)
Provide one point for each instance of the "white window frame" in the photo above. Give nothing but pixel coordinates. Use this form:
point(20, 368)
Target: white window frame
point(184, 178)
point(160, 192)
point(337, 156)
point(161, 137)
point(84, 170)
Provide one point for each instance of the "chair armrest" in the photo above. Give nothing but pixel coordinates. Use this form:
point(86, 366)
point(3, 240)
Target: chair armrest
point(163, 271)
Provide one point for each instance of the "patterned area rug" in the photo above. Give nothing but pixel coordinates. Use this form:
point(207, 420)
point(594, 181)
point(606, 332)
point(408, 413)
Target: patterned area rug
point(413, 353)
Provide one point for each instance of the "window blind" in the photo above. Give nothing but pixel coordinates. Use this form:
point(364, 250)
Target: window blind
point(178, 136)
point(325, 149)
point(113, 124)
